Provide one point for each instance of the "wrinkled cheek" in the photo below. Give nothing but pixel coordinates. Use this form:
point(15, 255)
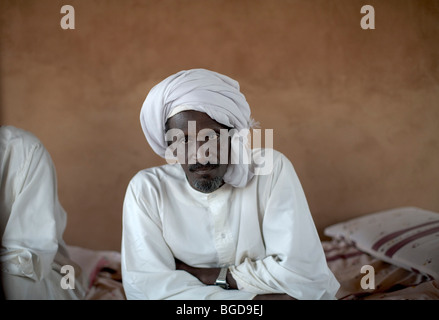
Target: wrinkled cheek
point(223, 151)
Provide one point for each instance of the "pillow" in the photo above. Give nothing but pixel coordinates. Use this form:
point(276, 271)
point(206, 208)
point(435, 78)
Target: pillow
point(407, 237)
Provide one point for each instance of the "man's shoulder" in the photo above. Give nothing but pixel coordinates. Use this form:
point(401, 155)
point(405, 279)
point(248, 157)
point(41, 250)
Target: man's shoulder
point(268, 159)
point(13, 136)
point(261, 152)
point(19, 145)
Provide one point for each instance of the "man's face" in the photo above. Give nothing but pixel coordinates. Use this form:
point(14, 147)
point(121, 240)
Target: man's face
point(202, 176)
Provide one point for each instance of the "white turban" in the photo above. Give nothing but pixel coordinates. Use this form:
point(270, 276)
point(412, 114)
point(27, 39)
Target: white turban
point(200, 90)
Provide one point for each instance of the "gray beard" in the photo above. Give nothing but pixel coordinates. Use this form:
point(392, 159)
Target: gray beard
point(208, 186)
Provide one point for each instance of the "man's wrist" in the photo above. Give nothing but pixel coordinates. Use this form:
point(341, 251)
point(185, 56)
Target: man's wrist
point(231, 280)
point(207, 276)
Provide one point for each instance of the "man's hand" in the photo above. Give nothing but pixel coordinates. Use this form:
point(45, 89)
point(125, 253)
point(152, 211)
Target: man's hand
point(207, 276)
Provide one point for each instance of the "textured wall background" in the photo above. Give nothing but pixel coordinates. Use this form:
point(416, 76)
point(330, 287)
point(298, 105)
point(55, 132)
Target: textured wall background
point(356, 111)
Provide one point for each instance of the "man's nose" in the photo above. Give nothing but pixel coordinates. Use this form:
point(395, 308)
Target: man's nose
point(203, 153)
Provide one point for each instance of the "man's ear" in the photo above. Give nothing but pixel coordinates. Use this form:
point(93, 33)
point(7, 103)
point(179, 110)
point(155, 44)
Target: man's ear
point(166, 130)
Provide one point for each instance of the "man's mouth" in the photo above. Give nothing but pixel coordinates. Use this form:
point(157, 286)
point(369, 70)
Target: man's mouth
point(200, 168)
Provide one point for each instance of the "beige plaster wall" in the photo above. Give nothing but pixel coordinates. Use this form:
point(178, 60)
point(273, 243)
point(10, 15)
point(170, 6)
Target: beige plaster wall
point(356, 111)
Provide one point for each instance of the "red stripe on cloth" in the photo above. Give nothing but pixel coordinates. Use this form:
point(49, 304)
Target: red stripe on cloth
point(343, 256)
point(392, 250)
point(395, 234)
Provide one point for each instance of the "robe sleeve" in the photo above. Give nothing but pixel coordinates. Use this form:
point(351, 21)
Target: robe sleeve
point(35, 221)
point(148, 265)
point(295, 262)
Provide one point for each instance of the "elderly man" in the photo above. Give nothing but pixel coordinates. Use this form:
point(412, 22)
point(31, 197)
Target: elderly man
point(213, 226)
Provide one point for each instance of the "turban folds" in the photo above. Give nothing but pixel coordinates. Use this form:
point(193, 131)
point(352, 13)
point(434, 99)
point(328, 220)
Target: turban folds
point(200, 90)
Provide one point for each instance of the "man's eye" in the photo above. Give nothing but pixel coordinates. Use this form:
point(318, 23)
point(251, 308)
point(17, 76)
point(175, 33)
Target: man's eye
point(185, 140)
point(181, 139)
point(213, 136)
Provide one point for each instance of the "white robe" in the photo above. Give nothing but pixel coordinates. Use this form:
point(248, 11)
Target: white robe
point(264, 232)
point(32, 222)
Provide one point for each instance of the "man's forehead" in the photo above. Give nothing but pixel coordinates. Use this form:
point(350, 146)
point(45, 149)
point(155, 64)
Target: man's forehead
point(185, 119)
